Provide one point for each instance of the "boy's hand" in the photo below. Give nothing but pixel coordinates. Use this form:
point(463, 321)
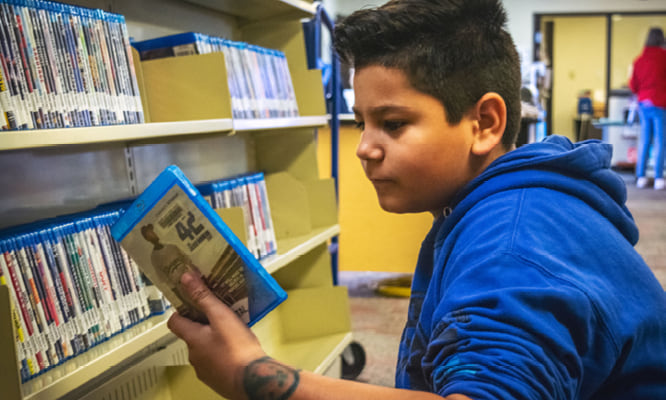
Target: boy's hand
point(220, 351)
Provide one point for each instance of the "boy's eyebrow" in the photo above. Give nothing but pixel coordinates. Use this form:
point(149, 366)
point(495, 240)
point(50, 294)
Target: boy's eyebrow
point(380, 110)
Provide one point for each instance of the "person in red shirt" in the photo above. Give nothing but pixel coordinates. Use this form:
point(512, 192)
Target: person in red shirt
point(648, 82)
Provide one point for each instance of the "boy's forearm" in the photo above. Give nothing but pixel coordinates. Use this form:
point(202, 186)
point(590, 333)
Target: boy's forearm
point(265, 379)
point(228, 357)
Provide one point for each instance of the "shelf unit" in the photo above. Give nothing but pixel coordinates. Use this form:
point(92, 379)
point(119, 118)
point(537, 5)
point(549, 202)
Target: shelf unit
point(315, 353)
point(59, 171)
point(20, 140)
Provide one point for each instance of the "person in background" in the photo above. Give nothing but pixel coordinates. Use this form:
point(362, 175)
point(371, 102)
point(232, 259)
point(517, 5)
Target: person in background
point(648, 82)
point(527, 285)
point(585, 112)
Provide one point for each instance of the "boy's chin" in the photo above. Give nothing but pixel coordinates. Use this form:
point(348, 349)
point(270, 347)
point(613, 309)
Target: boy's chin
point(395, 207)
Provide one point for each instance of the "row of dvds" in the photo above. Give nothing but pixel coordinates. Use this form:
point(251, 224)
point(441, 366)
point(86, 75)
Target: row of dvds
point(72, 286)
point(64, 66)
point(259, 81)
point(249, 193)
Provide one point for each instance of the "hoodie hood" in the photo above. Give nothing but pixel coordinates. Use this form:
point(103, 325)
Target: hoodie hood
point(579, 169)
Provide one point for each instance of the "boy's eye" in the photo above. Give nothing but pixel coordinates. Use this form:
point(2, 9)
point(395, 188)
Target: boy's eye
point(360, 125)
point(391, 125)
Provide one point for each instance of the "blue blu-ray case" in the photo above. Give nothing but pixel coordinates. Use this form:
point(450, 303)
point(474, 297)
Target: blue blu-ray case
point(170, 229)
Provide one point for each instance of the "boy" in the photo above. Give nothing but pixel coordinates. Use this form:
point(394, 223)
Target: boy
point(527, 286)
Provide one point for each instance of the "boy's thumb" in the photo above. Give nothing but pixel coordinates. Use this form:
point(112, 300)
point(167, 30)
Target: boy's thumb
point(199, 293)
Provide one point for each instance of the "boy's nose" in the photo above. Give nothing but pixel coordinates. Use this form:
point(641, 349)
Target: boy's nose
point(369, 149)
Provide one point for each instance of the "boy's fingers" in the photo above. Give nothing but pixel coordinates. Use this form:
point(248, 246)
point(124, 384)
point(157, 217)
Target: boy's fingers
point(217, 313)
point(199, 293)
point(181, 326)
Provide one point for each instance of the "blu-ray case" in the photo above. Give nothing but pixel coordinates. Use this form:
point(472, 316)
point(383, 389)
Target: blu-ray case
point(170, 229)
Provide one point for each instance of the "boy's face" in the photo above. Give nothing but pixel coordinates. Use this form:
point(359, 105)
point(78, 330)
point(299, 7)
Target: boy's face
point(415, 159)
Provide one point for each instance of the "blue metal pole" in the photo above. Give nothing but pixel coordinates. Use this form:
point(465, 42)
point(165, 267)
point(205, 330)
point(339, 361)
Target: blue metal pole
point(325, 19)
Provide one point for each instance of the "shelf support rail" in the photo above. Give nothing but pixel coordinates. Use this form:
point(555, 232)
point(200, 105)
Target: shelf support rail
point(333, 91)
point(131, 172)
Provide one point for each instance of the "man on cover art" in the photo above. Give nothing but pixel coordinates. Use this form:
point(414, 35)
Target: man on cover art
point(168, 260)
point(169, 263)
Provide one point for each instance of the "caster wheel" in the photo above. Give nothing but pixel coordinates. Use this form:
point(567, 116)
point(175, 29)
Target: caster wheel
point(353, 361)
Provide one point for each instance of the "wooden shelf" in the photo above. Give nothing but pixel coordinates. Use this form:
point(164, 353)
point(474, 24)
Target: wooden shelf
point(316, 354)
point(254, 10)
point(17, 140)
point(309, 330)
point(292, 248)
point(278, 123)
point(82, 368)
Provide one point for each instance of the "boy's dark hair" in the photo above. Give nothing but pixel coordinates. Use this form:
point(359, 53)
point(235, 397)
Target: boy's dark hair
point(655, 38)
point(453, 50)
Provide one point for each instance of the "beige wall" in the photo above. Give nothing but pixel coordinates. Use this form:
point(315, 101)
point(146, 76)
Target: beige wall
point(521, 13)
point(370, 239)
point(579, 62)
point(627, 42)
point(147, 19)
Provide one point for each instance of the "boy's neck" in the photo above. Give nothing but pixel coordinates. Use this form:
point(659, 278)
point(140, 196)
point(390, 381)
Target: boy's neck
point(480, 168)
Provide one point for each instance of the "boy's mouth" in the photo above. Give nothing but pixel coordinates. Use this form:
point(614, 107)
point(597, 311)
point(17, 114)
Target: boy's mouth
point(380, 182)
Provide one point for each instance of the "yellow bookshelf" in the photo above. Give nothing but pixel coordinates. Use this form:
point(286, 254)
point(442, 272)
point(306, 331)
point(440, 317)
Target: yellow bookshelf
point(186, 99)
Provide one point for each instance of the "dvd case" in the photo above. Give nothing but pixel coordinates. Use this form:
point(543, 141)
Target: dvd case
point(65, 66)
point(247, 191)
point(259, 82)
point(71, 287)
point(171, 229)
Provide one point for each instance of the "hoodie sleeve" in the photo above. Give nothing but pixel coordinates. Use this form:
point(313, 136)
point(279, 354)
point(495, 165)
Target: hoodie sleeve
point(508, 330)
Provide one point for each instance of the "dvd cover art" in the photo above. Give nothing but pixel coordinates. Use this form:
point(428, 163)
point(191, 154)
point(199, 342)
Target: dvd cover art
point(170, 229)
point(173, 238)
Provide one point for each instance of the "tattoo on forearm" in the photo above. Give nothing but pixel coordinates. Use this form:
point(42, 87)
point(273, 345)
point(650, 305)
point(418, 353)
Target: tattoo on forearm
point(266, 379)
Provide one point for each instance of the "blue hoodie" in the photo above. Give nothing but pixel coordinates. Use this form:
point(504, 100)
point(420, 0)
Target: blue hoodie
point(531, 287)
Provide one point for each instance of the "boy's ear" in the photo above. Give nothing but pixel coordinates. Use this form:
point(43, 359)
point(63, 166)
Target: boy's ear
point(490, 114)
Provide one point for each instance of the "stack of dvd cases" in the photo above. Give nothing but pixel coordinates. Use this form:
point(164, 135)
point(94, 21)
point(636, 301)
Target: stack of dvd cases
point(71, 285)
point(249, 193)
point(63, 66)
point(259, 81)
